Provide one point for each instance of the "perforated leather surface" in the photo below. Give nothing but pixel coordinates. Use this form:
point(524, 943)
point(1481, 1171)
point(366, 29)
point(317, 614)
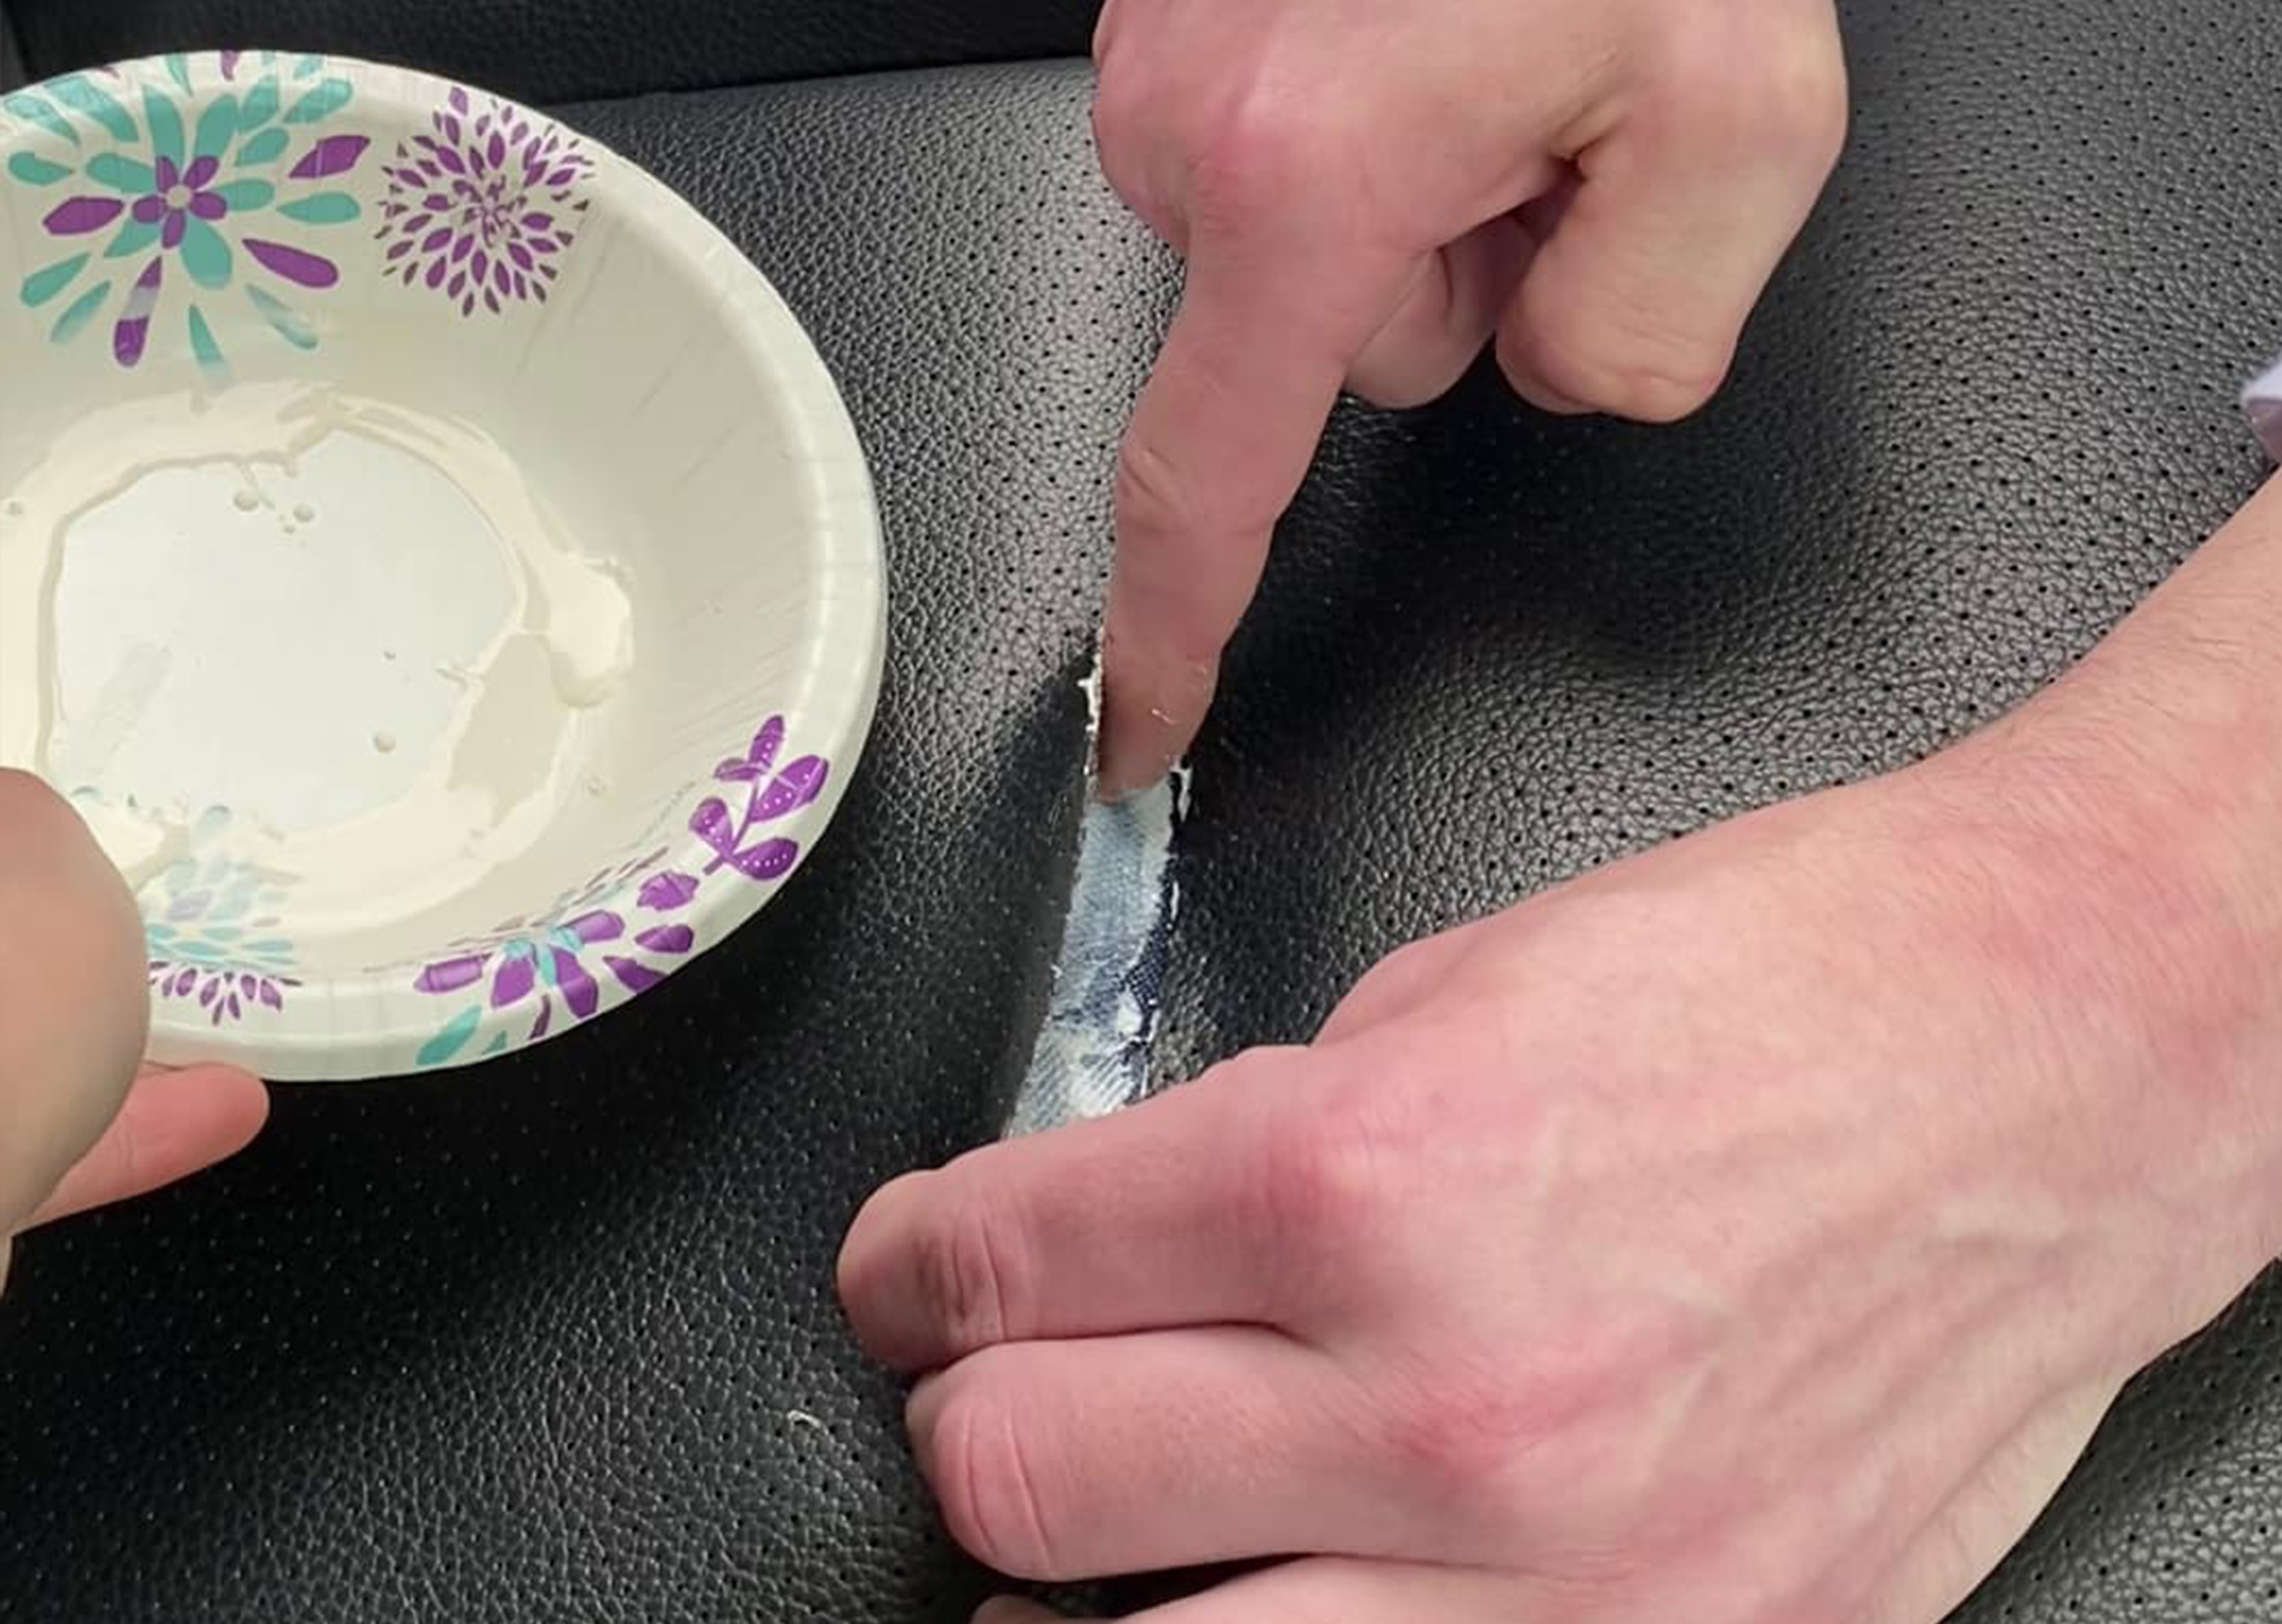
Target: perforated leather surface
point(573, 48)
point(11, 67)
point(539, 1342)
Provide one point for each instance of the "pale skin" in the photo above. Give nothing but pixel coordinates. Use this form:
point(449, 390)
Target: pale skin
point(82, 1122)
point(1365, 193)
point(1751, 1233)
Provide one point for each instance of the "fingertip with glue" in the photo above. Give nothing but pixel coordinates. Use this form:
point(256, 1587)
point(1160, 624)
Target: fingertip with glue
point(1014, 1609)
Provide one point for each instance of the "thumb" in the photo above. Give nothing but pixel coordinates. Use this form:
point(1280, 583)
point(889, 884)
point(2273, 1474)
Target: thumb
point(172, 1125)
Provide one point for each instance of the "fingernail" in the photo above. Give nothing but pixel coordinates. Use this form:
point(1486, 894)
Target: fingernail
point(1550, 401)
point(1011, 1610)
point(1138, 754)
point(1126, 773)
point(1522, 379)
point(920, 1404)
point(1117, 789)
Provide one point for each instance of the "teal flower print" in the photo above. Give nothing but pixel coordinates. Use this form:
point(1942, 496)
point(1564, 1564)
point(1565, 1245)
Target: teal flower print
point(215, 935)
point(213, 926)
point(176, 200)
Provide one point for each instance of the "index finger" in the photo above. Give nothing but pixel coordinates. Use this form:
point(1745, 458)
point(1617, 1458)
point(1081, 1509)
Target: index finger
point(1218, 445)
point(1126, 1222)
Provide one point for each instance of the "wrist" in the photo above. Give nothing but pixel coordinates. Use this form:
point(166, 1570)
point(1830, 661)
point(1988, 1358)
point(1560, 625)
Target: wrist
point(2129, 863)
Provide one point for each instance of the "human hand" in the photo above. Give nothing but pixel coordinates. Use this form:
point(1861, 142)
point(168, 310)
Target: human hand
point(81, 1122)
point(1365, 194)
point(1749, 1233)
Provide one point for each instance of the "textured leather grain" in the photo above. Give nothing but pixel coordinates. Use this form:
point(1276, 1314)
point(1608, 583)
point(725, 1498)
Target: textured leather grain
point(554, 1340)
point(12, 53)
point(565, 49)
point(1988, 404)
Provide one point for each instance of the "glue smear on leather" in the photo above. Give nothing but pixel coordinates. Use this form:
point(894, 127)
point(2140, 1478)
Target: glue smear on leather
point(152, 483)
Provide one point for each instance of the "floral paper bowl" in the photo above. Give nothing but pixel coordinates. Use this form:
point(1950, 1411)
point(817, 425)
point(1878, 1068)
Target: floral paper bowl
point(433, 560)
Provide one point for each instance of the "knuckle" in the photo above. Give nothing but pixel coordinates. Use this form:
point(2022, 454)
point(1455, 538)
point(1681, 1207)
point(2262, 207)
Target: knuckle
point(1157, 494)
point(1119, 132)
point(964, 1270)
point(1777, 88)
point(1333, 1179)
point(1495, 1429)
point(1801, 98)
point(1257, 156)
point(1458, 1434)
point(988, 1488)
point(1149, 491)
point(1698, 68)
point(1407, 971)
point(1625, 368)
point(1104, 33)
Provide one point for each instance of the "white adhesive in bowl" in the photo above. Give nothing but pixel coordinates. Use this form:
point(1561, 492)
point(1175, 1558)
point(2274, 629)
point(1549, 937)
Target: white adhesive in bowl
point(266, 511)
point(433, 558)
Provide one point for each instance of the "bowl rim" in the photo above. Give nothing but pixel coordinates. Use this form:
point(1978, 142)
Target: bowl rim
point(375, 1022)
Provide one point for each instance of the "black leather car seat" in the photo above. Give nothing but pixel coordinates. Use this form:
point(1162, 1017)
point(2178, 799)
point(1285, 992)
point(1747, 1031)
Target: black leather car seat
point(556, 1341)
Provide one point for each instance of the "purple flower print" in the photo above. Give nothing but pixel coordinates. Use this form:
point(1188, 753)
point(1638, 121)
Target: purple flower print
point(557, 956)
point(518, 966)
point(176, 195)
point(664, 893)
point(225, 994)
point(546, 964)
point(483, 208)
point(767, 800)
point(563, 956)
point(214, 936)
